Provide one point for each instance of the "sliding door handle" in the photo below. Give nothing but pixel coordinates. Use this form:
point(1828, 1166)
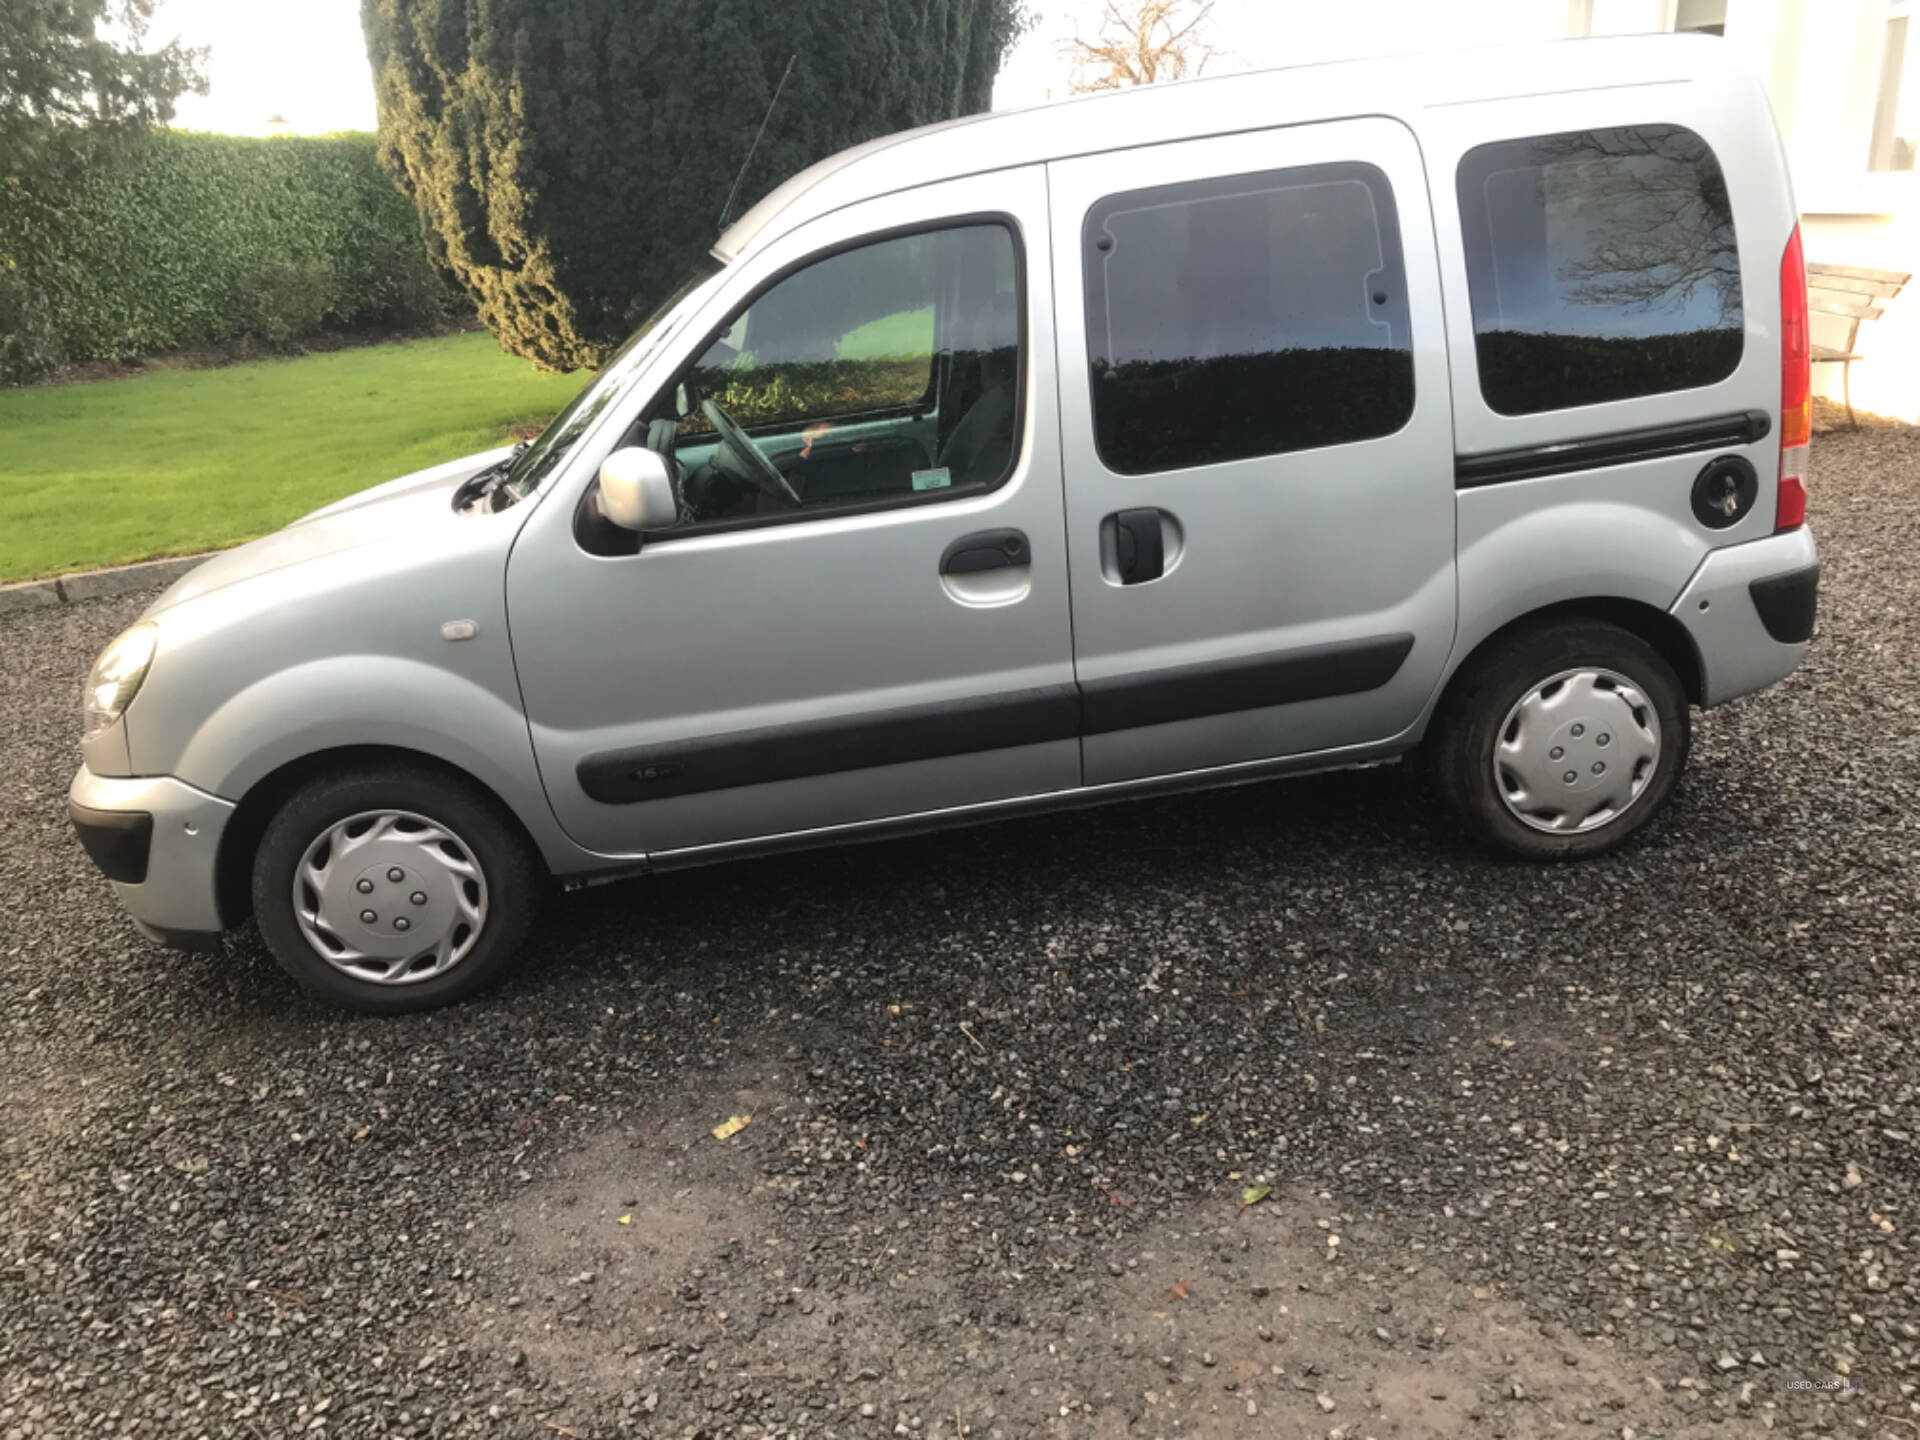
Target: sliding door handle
point(1141, 546)
point(986, 550)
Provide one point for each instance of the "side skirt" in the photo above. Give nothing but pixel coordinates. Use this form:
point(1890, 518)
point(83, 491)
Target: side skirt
point(1252, 772)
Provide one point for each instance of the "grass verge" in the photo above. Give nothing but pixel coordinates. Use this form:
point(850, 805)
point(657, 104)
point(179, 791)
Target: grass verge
point(178, 461)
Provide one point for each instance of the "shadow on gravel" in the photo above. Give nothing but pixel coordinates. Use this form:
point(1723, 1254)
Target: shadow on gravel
point(1117, 861)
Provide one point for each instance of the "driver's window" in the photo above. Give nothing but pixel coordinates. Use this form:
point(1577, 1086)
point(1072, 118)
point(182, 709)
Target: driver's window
point(885, 371)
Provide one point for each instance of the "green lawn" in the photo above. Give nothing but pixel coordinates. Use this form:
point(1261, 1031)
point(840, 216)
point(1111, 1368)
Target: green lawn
point(906, 332)
point(176, 461)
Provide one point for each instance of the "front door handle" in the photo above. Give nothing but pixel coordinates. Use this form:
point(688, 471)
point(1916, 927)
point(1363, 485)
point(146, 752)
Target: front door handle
point(986, 550)
point(1141, 546)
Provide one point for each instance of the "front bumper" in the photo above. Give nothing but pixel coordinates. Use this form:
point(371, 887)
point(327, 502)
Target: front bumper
point(1749, 609)
point(157, 840)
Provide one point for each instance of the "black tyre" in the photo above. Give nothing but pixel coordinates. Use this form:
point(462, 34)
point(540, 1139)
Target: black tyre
point(393, 888)
point(1562, 741)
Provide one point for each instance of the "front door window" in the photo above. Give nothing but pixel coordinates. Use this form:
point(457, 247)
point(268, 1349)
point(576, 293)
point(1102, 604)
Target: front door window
point(882, 373)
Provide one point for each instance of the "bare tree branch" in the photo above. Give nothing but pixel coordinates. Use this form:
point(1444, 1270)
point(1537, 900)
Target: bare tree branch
point(1666, 222)
point(1139, 42)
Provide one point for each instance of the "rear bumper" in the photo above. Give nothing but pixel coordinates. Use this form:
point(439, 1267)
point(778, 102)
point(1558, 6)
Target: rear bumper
point(1786, 603)
point(157, 840)
point(1749, 609)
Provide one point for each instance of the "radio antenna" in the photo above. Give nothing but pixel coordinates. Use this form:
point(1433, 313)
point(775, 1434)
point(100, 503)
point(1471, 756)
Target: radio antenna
point(727, 209)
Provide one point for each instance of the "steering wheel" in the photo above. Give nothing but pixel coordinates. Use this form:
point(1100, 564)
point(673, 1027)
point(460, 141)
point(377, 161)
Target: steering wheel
point(750, 463)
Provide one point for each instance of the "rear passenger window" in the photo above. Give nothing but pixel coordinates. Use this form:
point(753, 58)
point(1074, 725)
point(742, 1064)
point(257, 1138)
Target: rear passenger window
point(1246, 316)
point(1601, 265)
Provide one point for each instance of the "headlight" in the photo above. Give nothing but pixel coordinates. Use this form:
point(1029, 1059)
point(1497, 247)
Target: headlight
point(117, 676)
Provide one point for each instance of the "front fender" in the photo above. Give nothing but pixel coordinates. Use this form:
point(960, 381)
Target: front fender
point(351, 700)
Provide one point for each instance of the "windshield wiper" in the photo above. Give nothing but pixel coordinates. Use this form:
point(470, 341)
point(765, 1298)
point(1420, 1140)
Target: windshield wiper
point(483, 483)
point(506, 462)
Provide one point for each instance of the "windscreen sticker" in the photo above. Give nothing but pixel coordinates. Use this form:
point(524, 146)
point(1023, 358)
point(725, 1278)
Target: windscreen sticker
point(932, 479)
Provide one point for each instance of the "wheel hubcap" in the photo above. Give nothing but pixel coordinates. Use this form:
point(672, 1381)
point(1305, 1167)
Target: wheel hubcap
point(390, 897)
point(1576, 751)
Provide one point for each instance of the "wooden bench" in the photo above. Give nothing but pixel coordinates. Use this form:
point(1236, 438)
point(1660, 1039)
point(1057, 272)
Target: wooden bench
point(1852, 294)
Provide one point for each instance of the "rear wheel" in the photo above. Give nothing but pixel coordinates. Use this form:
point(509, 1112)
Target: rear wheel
point(393, 888)
point(1563, 741)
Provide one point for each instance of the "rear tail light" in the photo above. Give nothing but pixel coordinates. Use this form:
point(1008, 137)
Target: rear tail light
point(1796, 388)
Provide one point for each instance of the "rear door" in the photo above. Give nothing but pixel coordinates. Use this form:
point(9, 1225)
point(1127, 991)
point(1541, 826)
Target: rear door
point(1257, 444)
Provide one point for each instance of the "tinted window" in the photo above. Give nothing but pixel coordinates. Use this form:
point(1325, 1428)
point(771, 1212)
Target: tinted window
point(1602, 266)
point(888, 370)
point(1246, 316)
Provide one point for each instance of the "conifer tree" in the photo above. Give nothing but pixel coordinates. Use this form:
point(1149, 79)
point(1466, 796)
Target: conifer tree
point(570, 158)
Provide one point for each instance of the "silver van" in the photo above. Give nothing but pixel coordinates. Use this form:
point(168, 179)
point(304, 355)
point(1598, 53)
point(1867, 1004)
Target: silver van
point(1166, 439)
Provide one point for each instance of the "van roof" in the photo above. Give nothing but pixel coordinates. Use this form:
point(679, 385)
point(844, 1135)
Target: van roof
point(1118, 120)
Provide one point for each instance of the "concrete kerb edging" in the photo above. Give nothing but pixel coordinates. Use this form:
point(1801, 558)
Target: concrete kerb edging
point(95, 584)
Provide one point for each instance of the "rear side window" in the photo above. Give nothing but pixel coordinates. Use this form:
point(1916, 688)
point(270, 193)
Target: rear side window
point(1602, 266)
point(1244, 316)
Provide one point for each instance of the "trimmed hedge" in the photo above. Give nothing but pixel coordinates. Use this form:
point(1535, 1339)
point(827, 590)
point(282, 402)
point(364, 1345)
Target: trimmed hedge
point(192, 240)
point(1527, 373)
point(788, 392)
point(1156, 415)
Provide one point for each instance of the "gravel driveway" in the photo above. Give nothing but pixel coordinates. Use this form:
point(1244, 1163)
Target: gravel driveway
point(1623, 1149)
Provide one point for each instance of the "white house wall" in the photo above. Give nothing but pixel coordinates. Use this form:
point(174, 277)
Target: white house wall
point(1821, 63)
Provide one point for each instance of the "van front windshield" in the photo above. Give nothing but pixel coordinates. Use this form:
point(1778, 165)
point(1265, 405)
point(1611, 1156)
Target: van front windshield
point(544, 455)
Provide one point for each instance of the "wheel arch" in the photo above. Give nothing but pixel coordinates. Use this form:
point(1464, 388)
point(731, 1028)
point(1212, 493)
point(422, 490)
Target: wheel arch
point(1659, 629)
point(240, 841)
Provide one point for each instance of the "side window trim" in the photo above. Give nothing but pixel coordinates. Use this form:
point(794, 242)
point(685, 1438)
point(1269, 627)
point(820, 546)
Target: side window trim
point(1016, 233)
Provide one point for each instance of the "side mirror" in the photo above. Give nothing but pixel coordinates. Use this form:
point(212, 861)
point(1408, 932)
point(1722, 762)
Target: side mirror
point(636, 492)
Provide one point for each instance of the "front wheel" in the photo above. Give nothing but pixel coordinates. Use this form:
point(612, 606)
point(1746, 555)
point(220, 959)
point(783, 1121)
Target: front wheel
point(393, 888)
point(1563, 741)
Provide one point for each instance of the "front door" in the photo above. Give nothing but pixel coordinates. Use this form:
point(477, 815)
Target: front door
point(1257, 445)
point(862, 612)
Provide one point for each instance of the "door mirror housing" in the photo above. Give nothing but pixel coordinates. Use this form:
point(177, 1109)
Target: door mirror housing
point(636, 490)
